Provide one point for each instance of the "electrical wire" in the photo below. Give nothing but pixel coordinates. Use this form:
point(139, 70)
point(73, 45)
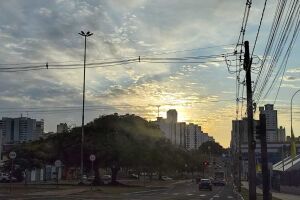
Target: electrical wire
point(258, 30)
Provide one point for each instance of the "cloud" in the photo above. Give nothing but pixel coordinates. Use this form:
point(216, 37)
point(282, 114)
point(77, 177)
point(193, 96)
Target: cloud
point(294, 70)
point(291, 78)
point(45, 12)
point(284, 85)
point(47, 31)
point(230, 77)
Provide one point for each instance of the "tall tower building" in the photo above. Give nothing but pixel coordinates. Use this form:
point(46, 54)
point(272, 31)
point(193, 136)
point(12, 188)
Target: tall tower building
point(62, 128)
point(22, 129)
point(271, 122)
point(172, 116)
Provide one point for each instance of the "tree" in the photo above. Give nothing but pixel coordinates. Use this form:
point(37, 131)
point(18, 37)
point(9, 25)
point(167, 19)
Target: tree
point(118, 141)
point(212, 147)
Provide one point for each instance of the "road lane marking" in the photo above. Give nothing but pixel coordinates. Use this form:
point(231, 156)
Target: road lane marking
point(202, 195)
point(189, 194)
point(216, 196)
point(229, 197)
point(145, 191)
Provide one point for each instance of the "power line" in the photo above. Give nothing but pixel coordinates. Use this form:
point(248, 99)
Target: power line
point(260, 22)
point(165, 52)
point(289, 24)
point(178, 60)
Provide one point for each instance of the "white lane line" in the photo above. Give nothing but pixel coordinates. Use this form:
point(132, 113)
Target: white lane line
point(216, 196)
point(145, 191)
point(229, 197)
point(189, 194)
point(202, 195)
point(211, 198)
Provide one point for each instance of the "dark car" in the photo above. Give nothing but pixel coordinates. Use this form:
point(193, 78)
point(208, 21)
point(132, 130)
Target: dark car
point(219, 182)
point(205, 184)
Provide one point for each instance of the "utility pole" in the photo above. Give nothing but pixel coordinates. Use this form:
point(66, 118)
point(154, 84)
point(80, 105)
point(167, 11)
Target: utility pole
point(85, 35)
point(251, 141)
point(240, 158)
point(262, 135)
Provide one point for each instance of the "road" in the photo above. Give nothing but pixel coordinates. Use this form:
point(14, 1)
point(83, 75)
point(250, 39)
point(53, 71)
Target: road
point(177, 192)
point(185, 191)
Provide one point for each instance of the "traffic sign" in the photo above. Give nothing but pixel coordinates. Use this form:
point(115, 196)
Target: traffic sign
point(12, 155)
point(57, 163)
point(92, 157)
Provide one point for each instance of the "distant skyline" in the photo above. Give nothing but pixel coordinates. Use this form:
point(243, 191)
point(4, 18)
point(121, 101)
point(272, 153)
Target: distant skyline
point(35, 32)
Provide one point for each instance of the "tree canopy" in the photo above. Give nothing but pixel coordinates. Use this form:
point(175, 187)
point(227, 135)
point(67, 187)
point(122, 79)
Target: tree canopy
point(118, 141)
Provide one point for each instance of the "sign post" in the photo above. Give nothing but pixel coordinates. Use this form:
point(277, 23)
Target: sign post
point(57, 164)
point(12, 156)
point(92, 159)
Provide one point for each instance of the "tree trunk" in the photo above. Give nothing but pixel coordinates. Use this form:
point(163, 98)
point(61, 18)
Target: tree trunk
point(114, 173)
point(159, 175)
point(150, 176)
point(97, 180)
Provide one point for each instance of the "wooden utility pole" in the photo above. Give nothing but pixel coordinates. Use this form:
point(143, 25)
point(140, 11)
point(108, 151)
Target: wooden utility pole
point(262, 135)
point(251, 141)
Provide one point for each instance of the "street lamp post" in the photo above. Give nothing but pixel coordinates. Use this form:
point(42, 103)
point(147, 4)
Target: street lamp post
point(85, 35)
point(292, 117)
point(292, 109)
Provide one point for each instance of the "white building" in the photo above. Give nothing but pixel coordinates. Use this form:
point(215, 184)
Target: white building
point(271, 122)
point(190, 136)
point(22, 129)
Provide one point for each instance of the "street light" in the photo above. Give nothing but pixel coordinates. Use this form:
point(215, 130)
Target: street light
point(85, 35)
point(292, 109)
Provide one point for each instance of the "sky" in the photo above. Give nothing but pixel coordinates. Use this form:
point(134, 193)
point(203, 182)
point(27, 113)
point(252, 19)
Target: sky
point(35, 32)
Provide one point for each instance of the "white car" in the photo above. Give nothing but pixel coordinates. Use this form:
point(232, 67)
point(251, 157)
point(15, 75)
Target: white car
point(106, 179)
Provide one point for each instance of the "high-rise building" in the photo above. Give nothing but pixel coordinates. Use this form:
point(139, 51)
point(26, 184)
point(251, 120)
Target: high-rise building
point(239, 132)
point(22, 129)
point(190, 136)
point(281, 134)
point(62, 128)
point(172, 116)
point(271, 121)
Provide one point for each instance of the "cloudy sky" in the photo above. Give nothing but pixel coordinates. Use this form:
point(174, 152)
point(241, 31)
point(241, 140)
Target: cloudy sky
point(34, 32)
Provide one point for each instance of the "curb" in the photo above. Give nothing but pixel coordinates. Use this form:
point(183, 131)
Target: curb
point(237, 193)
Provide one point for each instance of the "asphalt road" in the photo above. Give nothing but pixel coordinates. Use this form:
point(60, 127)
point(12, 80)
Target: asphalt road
point(185, 191)
point(177, 192)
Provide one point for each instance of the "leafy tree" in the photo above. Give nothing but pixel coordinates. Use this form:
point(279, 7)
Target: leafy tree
point(212, 147)
point(118, 141)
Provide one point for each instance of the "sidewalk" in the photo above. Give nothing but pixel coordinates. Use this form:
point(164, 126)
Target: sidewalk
point(61, 192)
point(282, 196)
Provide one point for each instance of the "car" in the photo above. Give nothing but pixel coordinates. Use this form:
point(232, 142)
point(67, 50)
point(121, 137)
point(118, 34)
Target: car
point(205, 184)
point(165, 178)
point(135, 176)
point(106, 179)
point(219, 182)
point(5, 178)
